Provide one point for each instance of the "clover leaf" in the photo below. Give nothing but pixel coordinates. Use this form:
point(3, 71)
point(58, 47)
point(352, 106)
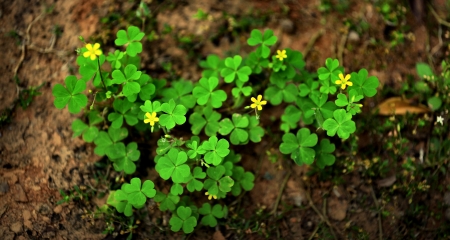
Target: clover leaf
point(194, 145)
point(290, 118)
point(109, 143)
point(243, 180)
point(137, 196)
point(236, 92)
point(180, 92)
point(90, 132)
point(232, 70)
point(204, 92)
point(210, 214)
point(71, 94)
point(318, 107)
point(124, 110)
point(174, 114)
point(118, 199)
point(216, 150)
point(167, 202)
point(342, 124)
point(300, 146)
point(236, 128)
point(147, 87)
point(183, 220)
point(352, 107)
point(308, 88)
point(329, 75)
point(212, 65)
point(255, 131)
point(217, 183)
point(150, 107)
point(131, 39)
point(126, 163)
point(172, 165)
point(363, 84)
point(281, 92)
point(210, 121)
point(192, 183)
point(176, 189)
point(89, 68)
point(115, 58)
point(268, 39)
point(324, 156)
point(127, 78)
point(256, 62)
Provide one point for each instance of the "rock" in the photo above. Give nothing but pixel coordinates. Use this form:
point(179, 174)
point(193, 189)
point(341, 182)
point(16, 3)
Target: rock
point(337, 209)
point(16, 227)
point(57, 209)
point(218, 236)
point(447, 198)
point(20, 195)
point(4, 188)
point(353, 36)
point(287, 25)
point(44, 209)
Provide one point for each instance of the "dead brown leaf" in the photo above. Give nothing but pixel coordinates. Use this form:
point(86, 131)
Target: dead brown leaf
point(400, 106)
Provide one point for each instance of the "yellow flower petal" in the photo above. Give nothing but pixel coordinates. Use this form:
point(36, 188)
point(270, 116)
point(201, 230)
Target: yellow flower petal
point(259, 98)
point(98, 52)
point(263, 102)
point(96, 46)
point(86, 54)
point(259, 107)
point(253, 105)
point(253, 99)
point(148, 115)
point(338, 82)
point(350, 83)
point(341, 76)
point(93, 56)
point(347, 77)
point(343, 86)
point(89, 47)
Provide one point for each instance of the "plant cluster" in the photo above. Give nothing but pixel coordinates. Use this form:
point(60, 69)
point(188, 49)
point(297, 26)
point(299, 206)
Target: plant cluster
point(125, 96)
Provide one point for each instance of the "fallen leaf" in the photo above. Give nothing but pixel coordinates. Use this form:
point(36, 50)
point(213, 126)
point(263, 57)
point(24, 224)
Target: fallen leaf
point(387, 182)
point(400, 106)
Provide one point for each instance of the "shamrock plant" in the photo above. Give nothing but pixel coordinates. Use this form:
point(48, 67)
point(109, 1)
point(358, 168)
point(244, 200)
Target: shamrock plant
point(224, 108)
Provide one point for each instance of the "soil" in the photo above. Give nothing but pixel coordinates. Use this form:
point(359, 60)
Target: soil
point(38, 155)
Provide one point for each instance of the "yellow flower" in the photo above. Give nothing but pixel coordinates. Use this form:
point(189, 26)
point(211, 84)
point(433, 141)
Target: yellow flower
point(281, 54)
point(344, 81)
point(151, 118)
point(258, 103)
point(92, 51)
point(210, 196)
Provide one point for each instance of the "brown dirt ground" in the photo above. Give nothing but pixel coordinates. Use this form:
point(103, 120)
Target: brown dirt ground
point(38, 156)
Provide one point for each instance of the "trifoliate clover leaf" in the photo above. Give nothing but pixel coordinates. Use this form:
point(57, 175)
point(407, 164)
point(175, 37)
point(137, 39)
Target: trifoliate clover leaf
point(212, 66)
point(204, 92)
point(324, 156)
point(183, 220)
point(174, 114)
point(167, 202)
point(172, 165)
point(255, 131)
point(165, 145)
point(331, 71)
point(126, 163)
point(232, 70)
point(180, 92)
point(290, 118)
point(176, 189)
point(281, 92)
point(233, 157)
point(118, 199)
point(115, 58)
point(268, 39)
point(236, 128)
point(127, 77)
point(243, 180)
point(193, 184)
point(148, 89)
point(308, 88)
point(210, 214)
point(317, 106)
point(352, 106)
point(216, 150)
point(90, 132)
point(150, 107)
point(236, 92)
point(210, 121)
point(124, 110)
point(363, 84)
point(256, 62)
point(109, 143)
point(342, 124)
point(89, 68)
point(294, 61)
point(131, 39)
point(216, 182)
point(300, 146)
point(71, 94)
point(137, 196)
point(196, 149)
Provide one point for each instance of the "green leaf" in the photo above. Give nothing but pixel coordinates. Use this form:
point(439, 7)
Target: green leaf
point(210, 122)
point(268, 39)
point(300, 146)
point(212, 66)
point(115, 58)
point(126, 163)
point(204, 92)
point(183, 220)
point(108, 143)
point(255, 132)
point(124, 110)
point(174, 114)
point(324, 156)
point(210, 214)
point(236, 92)
point(150, 107)
point(276, 94)
point(193, 184)
point(237, 128)
point(243, 180)
point(180, 92)
point(363, 84)
point(424, 70)
point(232, 70)
point(434, 103)
point(172, 165)
point(131, 38)
point(216, 150)
point(136, 195)
point(290, 118)
point(342, 124)
point(167, 202)
point(71, 94)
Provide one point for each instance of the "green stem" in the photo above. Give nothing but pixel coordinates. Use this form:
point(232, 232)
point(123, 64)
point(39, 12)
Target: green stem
point(99, 71)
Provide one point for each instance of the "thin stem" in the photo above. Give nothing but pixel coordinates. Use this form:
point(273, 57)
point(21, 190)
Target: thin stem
point(99, 70)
